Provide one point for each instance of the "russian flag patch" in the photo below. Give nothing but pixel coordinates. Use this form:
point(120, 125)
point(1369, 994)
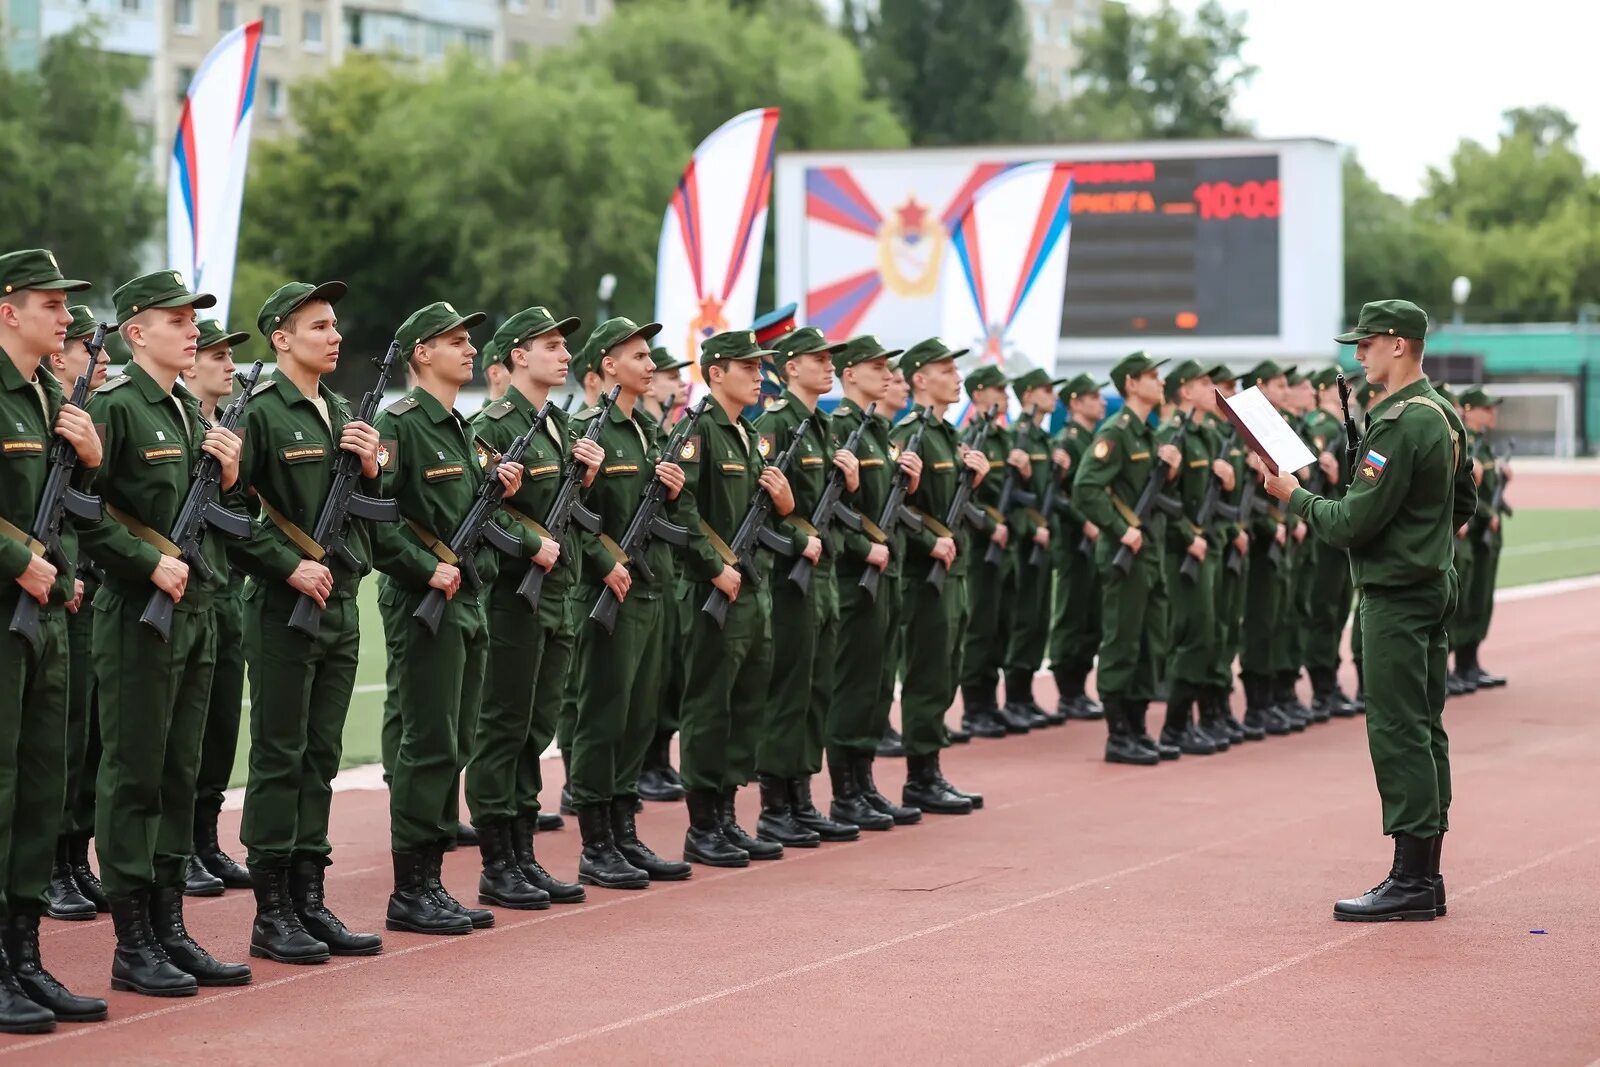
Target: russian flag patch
point(1372, 465)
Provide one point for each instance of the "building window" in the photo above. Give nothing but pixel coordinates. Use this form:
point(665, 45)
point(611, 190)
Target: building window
point(433, 40)
point(183, 15)
point(1066, 85)
point(311, 30)
point(131, 6)
point(271, 22)
point(185, 76)
point(227, 15)
point(552, 8)
point(274, 94)
point(477, 43)
point(591, 10)
point(352, 28)
point(516, 7)
point(1041, 26)
point(1041, 78)
point(1064, 33)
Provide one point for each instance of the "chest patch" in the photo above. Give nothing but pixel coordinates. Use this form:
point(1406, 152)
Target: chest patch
point(444, 471)
point(732, 468)
point(27, 446)
point(161, 453)
point(300, 453)
point(541, 471)
point(1372, 465)
point(943, 465)
point(620, 468)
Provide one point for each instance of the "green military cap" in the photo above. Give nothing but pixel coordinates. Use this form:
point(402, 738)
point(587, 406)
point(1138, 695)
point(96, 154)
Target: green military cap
point(83, 322)
point(984, 377)
point(159, 289)
point(731, 345)
point(1221, 374)
point(803, 342)
point(1444, 391)
point(524, 325)
point(1326, 378)
point(860, 349)
point(288, 298)
point(431, 321)
point(1082, 385)
point(666, 361)
point(1365, 394)
point(1295, 377)
point(33, 268)
point(1135, 364)
point(1393, 318)
point(1178, 376)
point(933, 350)
point(490, 354)
point(1034, 379)
point(117, 350)
point(213, 333)
point(606, 336)
point(1264, 371)
point(1477, 398)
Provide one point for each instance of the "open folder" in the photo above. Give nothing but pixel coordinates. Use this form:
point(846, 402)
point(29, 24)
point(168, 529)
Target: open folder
point(1265, 431)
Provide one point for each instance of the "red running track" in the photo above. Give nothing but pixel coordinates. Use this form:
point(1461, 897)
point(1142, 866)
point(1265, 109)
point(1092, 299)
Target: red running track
point(1089, 912)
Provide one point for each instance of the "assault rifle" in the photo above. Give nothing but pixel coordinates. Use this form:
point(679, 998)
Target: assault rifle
point(895, 513)
point(962, 512)
point(830, 509)
point(647, 522)
point(1049, 507)
point(479, 527)
point(1151, 497)
point(201, 511)
point(754, 531)
point(58, 500)
point(1211, 508)
point(346, 501)
point(1352, 436)
point(567, 507)
point(1497, 502)
point(1012, 495)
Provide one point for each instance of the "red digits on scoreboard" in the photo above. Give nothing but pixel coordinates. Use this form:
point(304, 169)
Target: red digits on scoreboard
point(1250, 200)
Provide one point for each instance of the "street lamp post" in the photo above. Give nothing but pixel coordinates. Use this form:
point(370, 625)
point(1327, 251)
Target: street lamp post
point(1460, 289)
point(603, 293)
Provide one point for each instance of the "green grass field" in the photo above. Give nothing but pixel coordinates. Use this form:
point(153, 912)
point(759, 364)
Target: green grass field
point(1541, 545)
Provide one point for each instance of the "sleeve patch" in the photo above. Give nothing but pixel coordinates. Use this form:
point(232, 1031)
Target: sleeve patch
point(388, 453)
point(1372, 465)
point(1102, 448)
point(766, 444)
point(691, 449)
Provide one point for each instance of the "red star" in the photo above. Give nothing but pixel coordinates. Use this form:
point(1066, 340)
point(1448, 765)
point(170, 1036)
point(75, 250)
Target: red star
point(912, 215)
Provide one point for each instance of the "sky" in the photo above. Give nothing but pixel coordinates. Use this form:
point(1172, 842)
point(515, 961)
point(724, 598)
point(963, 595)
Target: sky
point(1403, 81)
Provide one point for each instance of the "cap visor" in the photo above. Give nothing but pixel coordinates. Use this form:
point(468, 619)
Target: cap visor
point(568, 326)
point(1352, 337)
point(229, 339)
point(71, 285)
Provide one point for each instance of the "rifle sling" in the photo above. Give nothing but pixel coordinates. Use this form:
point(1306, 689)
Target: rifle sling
point(154, 538)
point(719, 545)
point(21, 537)
point(303, 541)
point(611, 546)
point(938, 528)
point(1129, 516)
point(527, 521)
point(803, 526)
point(874, 531)
point(441, 551)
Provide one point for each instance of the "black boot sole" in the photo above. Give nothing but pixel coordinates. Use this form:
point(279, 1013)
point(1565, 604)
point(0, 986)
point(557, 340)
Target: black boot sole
point(691, 857)
point(218, 983)
point(260, 953)
point(396, 924)
point(207, 891)
point(77, 915)
point(789, 842)
point(501, 902)
point(589, 879)
point(83, 1017)
point(43, 1026)
point(1415, 915)
point(375, 950)
point(871, 827)
point(122, 985)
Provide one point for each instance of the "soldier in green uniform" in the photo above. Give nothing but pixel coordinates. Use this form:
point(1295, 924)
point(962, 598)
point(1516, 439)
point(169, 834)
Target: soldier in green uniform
point(1106, 486)
point(1325, 583)
point(1075, 615)
point(984, 645)
point(935, 619)
point(210, 869)
point(805, 623)
point(154, 693)
point(1216, 712)
point(858, 706)
point(1192, 620)
point(300, 686)
point(1285, 647)
point(1367, 397)
point(530, 650)
point(1026, 615)
point(1466, 565)
point(567, 715)
point(432, 465)
point(34, 324)
point(1268, 530)
point(1481, 412)
point(1412, 490)
point(728, 666)
point(67, 897)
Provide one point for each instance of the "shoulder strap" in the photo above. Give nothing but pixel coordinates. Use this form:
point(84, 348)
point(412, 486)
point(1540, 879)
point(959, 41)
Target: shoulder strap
point(1455, 438)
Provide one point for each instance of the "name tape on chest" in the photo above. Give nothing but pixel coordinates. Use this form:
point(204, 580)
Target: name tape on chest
point(444, 471)
point(26, 446)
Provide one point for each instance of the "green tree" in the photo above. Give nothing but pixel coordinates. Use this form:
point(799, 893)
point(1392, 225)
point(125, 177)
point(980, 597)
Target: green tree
point(1144, 76)
point(1389, 249)
point(76, 168)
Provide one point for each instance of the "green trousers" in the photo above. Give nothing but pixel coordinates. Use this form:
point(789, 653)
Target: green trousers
point(1230, 593)
point(1132, 608)
point(300, 689)
point(1075, 606)
point(857, 711)
point(1327, 604)
point(551, 681)
point(1459, 627)
point(678, 616)
point(1191, 618)
point(83, 723)
point(802, 624)
point(990, 588)
point(1405, 671)
point(579, 603)
point(728, 671)
point(892, 591)
point(819, 711)
point(505, 717)
point(153, 700)
point(33, 755)
point(1478, 590)
point(934, 638)
point(1284, 654)
point(440, 686)
point(1355, 627)
point(618, 694)
point(1027, 627)
point(1263, 608)
point(219, 744)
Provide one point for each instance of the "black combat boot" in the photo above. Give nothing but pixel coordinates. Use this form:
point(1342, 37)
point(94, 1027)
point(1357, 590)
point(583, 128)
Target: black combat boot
point(1339, 704)
point(19, 1014)
point(1211, 715)
point(1179, 730)
point(891, 747)
point(1087, 707)
point(199, 882)
point(1260, 711)
point(38, 984)
point(736, 835)
point(166, 919)
point(849, 806)
point(656, 780)
point(1439, 908)
point(807, 815)
point(466, 835)
point(704, 841)
point(522, 835)
point(412, 906)
point(959, 735)
point(1480, 677)
point(502, 882)
point(1221, 697)
point(1406, 894)
point(480, 918)
point(861, 765)
point(601, 863)
point(140, 964)
point(1019, 688)
point(1120, 746)
point(1359, 701)
point(975, 799)
point(625, 835)
point(548, 822)
point(926, 789)
point(1323, 706)
point(1138, 715)
point(777, 821)
point(978, 712)
point(208, 850)
point(566, 807)
point(1068, 690)
point(1014, 717)
point(62, 899)
point(308, 887)
point(279, 933)
point(87, 881)
point(1287, 698)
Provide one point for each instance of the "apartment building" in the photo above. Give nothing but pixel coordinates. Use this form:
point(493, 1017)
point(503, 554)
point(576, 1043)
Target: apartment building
point(1053, 26)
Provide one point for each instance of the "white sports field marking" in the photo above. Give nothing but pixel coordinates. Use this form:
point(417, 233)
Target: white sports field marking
point(1537, 548)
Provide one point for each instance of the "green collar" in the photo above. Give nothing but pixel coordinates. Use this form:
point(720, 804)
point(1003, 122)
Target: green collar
point(10, 377)
point(718, 415)
point(515, 398)
point(293, 395)
point(1416, 388)
point(430, 404)
point(148, 387)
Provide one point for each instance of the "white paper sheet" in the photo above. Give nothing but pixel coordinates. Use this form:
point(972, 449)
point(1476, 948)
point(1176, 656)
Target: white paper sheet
point(1263, 428)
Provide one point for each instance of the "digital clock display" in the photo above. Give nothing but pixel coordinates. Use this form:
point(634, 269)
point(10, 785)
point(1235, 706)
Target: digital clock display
point(1174, 247)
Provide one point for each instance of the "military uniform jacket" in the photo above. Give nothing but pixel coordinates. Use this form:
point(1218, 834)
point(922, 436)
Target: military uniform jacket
point(1412, 490)
point(722, 460)
point(633, 448)
point(986, 494)
point(27, 416)
point(1324, 432)
point(432, 465)
point(544, 467)
point(286, 463)
point(1113, 475)
point(1231, 449)
point(151, 442)
point(877, 455)
point(1035, 441)
point(1200, 446)
point(941, 469)
point(808, 472)
point(1483, 452)
point(1074, 440)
